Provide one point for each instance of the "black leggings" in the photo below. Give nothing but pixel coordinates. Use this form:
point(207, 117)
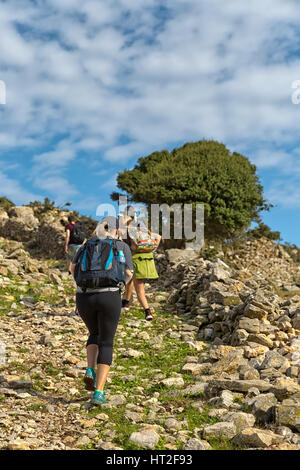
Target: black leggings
point(100, 312)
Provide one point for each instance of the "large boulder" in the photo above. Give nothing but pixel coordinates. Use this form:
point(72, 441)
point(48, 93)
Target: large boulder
point(220, 271)
point(224, 429)
point(175, 255)
point(3, 216)
point(259, 438)
point(197, 444)
point(42, 230)
point(284, 387)
point(296, 321)
point(239, 385)
point(20, 224)
point(251, 325)
point(240, 419)
point(145, 438)
point(275, 360)
point(25, 215)
point(230, 363)
point(263, 407)
point(288, 413)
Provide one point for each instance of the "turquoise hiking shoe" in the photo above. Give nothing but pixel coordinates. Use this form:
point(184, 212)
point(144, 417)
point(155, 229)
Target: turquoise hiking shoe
point(90, 379)
point(98, 398)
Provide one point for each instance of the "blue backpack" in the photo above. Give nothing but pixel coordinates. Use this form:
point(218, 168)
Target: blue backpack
point(100, 264)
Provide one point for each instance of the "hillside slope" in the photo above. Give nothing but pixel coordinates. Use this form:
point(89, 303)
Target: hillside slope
point(218, 367)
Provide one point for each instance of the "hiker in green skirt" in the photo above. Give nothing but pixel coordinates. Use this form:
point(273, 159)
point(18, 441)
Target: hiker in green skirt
point(144, 269)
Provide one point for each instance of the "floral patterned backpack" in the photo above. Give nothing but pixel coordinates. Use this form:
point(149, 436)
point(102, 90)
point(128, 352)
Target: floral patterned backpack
point(142, 240)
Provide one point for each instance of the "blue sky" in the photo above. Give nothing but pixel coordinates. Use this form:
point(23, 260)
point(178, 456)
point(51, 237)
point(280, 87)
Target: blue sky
point(91, 86)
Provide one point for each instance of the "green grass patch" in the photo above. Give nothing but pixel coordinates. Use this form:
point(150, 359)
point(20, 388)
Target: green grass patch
point(37, 407)
point(122, 426)
point(246, 409)
point(62, 332)
point(197, 418)
point(50, 369)
point(122, 384)
point(179, 445)
point(123, 430)
point(90, 446)
point(284, 294)
point(170, 401)
point(38, 385)
point(16, 364)
point(287, 295)
point(238, 400)
point(223, 444)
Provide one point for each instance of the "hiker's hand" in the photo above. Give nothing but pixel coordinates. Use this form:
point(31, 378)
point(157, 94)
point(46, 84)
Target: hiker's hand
point(66, 249)
point(157, 242)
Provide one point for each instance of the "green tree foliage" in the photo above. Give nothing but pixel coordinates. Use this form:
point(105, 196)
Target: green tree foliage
point(5, 203)
point(45, 206)
point(294, 251)
point(263, 230)
point(202, 172)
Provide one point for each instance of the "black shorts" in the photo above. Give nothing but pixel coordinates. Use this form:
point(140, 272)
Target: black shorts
point(101, 313)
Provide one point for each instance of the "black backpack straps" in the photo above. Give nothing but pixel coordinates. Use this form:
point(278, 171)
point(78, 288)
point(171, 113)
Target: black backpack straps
point(114, 246)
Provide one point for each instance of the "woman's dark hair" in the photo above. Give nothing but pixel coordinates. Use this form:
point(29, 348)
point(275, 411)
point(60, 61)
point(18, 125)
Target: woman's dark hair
point(71, 219)
point(131, 212)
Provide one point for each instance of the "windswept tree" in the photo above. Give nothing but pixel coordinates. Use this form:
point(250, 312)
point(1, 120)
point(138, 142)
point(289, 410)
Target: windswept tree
point(204, 172)
point(5, 203)
point(263, 230)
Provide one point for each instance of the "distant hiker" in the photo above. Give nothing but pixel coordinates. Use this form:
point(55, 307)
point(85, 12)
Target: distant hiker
point(100, 267)
point(74, 239)
point(142, 244)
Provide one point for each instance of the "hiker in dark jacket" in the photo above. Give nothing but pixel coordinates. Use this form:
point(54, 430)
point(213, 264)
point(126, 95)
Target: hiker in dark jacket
point(71, 244)
point(100, 310)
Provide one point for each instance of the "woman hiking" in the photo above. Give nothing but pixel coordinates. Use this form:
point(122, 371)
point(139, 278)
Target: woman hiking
point(100, 307)
point(144, 269)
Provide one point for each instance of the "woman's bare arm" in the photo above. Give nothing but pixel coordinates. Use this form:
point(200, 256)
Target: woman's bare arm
point(67, 240)
point(73, 269)
point(129, 275)
point(158, 239)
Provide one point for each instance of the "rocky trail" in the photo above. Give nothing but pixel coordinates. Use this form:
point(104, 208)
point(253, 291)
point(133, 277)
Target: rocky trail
point(158, 388)
point(217, 368)
point(152, 402)
point(43, 401)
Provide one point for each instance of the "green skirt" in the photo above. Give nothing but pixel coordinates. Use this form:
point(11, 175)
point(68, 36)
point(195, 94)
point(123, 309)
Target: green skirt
point(144, 266)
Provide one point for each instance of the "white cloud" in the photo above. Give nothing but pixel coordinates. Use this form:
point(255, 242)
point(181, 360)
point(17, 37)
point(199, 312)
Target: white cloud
point(285, 194)
point(267, 158)
point(110, 183)
point(123, 152)
point(58, 187)
point(13, 48)
point(88, 204)
point(155, 72)
point(53, 160)
point(12, 189)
